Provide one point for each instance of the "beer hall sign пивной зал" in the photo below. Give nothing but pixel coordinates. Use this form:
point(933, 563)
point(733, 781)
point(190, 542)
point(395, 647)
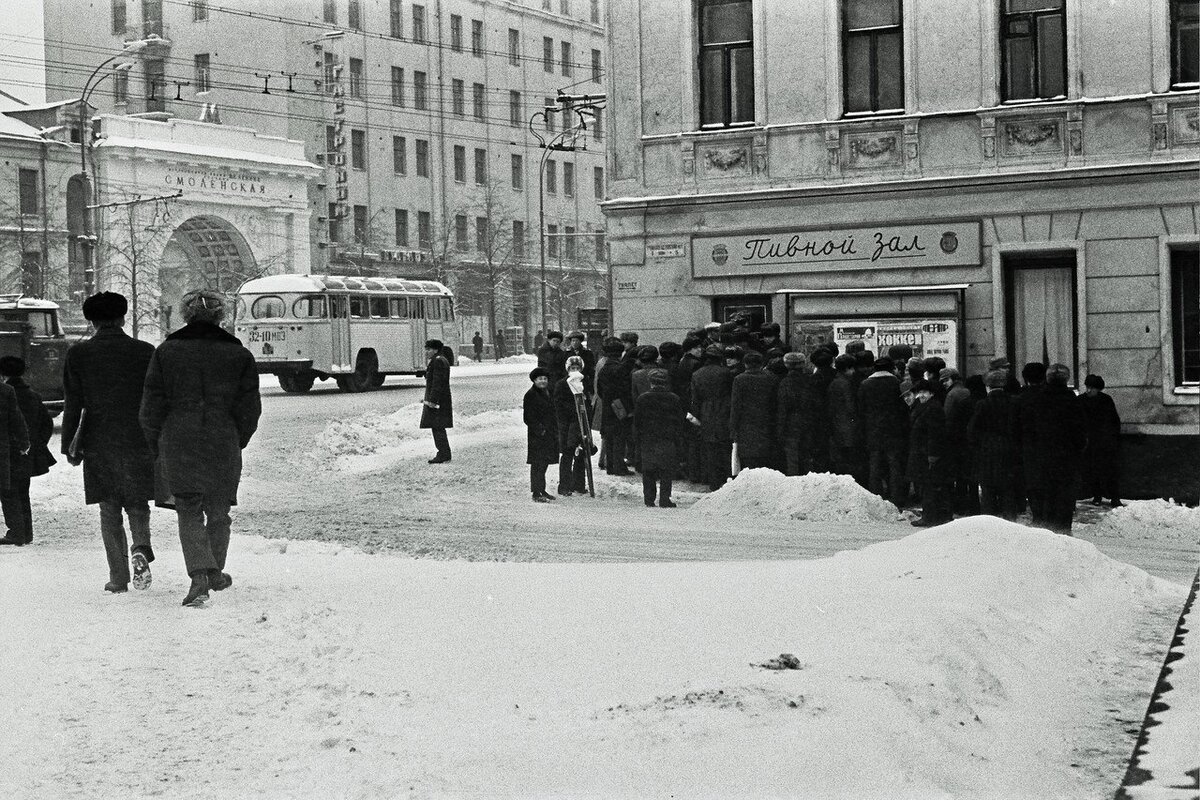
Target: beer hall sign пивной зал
point(888, 247)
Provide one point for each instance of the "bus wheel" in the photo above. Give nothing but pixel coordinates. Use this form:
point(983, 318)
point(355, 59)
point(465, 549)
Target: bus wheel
point(296, 382)
point(364, 376)
point(377, 380)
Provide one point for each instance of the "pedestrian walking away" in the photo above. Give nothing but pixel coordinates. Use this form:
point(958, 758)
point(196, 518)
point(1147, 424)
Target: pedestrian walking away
point(199, 410)
point(37, 460)
point(103, 379)
point(438, 412)
point(541, 435)
point(477, 344)
point(658, 419)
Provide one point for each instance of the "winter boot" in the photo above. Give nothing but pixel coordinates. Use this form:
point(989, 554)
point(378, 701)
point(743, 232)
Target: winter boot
point(141, 571)
point(219, 581)
point(198, 593)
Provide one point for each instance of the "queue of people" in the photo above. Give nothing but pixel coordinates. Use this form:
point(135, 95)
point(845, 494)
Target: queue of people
point(911, 430)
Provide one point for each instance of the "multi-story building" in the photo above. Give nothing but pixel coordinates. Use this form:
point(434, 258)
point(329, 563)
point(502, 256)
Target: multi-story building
point(1001, 178)
point(418, 113)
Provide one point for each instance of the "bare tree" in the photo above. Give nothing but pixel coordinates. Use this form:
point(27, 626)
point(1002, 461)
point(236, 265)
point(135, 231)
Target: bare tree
point(132, 259)
point(488, 276)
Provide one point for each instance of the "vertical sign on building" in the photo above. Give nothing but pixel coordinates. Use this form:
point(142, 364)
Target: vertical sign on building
point(342, 203)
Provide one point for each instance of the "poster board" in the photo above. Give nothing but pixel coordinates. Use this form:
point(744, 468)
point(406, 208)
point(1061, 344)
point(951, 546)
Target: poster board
point(927, 336)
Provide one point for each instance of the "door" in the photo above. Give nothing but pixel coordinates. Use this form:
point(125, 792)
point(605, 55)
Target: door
point(339, 325)
point(1041, 310)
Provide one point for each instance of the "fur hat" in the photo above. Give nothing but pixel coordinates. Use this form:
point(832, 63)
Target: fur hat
point(821, 357)
point(998, 363)
point(769, 329)
point(793, 359)
point(576, 362)
point(900, 352)
point(14, 367)
point(689, 342)
point(659, 377)
point(1058, 375)
point(612, 346)
point(647, 352)
point(433, 344)
point(996, 379)
point(856, 346)
point(922, 386)
point(575, 335)
point(883, 365)
point(1091, 381)
point(1033, 372)
point(949, 372)
point(714, 351)
point(670, 350)
point(554, 335)
point(203, 305)
point(105, 306)
point(538, 372)
point(629, 336)
point(735, 352)
point(934, 365)
point(844, 361)
point(753, 359)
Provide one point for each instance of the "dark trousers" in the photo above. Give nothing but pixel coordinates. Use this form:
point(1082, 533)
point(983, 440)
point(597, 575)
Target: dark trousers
point(717, 457)
point(112, 531)
point(965, 497)
point(18, 515)
point(998, 501)
point(616, 440)
point(844, 460)
point(935, 505)
point(1059, 500)
point(887, 467)
point(537, 478)
point(572, 471)
point(659, 479)
point(441, 441)
point(795, 462)
point(1035, 493)
point(203, 531)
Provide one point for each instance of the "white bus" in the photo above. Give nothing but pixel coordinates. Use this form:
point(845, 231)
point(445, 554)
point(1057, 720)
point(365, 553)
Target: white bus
point(356, 330)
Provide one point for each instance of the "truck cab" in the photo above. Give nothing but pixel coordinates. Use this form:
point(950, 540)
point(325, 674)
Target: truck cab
point(30, 329)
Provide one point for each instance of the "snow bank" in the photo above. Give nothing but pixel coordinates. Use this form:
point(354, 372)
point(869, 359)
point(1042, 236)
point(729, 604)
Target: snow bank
point(372, 433)
point(522, 358)
point(817, 497)
point(1153, 519)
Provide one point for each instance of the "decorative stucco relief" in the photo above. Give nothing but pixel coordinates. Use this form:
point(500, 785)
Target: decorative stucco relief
point(723, 162)
point(1032, 137)
point(1185, 126)
point(874, 149)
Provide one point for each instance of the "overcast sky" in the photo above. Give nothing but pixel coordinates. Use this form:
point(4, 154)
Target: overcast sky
point(21, 55)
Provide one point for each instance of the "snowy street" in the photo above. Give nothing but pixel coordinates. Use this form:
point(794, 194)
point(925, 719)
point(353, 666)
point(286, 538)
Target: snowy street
point(980, 659)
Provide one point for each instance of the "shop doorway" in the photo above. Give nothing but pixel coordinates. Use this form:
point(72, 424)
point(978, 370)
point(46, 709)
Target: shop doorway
point(1041, 310)
point(756, 306)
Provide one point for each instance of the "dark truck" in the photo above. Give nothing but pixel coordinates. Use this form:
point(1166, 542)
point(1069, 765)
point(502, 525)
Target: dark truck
point(30, 329)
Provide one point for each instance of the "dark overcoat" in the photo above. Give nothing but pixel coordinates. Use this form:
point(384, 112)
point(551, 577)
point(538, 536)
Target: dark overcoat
point(658, 422)
point(40, 426)
point(789, 412)
point(613, 384)
point(1102, 424)
point(103, 378)
point(926, 440)
point(437, 391)
point(553, 360)
point(199, 409)
point(12, 430)
point(843, 412)
point(681, 379)
point(992, 437)
point(541, 427)
point(752, 413)
point(959, 406)
point(1054, 419)
point(712, 388)
point(569, 434)
point(882, 412)
point(814, 404)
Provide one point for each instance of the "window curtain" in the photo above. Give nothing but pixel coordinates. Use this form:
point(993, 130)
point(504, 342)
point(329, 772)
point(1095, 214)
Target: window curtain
point(1044, 316)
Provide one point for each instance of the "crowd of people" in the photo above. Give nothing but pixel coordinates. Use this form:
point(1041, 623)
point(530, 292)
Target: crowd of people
point(909, 429)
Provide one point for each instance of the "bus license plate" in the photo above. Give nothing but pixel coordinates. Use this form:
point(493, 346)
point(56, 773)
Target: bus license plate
point(268, 336)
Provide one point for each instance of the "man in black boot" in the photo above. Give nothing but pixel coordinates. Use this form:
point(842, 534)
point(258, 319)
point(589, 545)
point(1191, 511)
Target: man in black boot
point(438, 413)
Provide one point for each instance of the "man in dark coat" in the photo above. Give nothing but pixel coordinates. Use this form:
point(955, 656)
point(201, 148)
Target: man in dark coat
point(438, 412)
point(616, 406)
point(712, 388)
point(23, 465)
point(103, 379)
point(552, 358)
point(576, 347)
point(790, 422)
point(990, 436)
point(14, 447)
point(1033, 376)
point(541, 435)
point(681, 385)
point(752, 413)
point(815, 409)
point(843, 414)
point(477, 344)
point(658, 416)
point(959, 406)
point(1102, 458)
point(884, 420)
point(498, 345)
point(926, 451)
point(572, 466)
point(1059, 436)
point(199, 410)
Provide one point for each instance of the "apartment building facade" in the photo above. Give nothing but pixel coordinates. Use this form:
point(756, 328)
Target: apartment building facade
point(1004, 178)
point(417, 113)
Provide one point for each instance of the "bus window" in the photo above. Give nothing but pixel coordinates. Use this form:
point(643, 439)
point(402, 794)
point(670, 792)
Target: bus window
point(239, 310)
point(447, 309)
point(432, 311)
point(399, 308)
point(310, 307)
point(379, 308)
point(358, 307)
point(415, 309)
point(268, 307)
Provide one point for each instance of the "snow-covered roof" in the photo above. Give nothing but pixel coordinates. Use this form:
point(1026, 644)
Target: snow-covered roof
point(11, 128)
point(206, 152)
point(26, 303)
point(271, 284)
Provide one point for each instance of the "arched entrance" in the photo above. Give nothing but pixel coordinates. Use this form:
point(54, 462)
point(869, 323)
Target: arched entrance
point(205, 252)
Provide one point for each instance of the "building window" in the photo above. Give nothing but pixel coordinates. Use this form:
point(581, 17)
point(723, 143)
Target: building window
point(1041, 309)
point(354, 15)
point(551, 112)
point(335, 223)
point(482, 239)
point(872, 56)
point(460, 233)
point(480, 166)
point(120, 85)
point(518, 172)
point(726, 63)
point(1185, 316)
point(330, 139)
point(356, 77)
point(552, 241)
point(420, 91)
point(598, 182)
point(518, 239)
point(401, 227)
point(514, 109)
point(395, 21)
point(598, 241)
point(400, 155)
point(458, 102)
point(358, 149)
point(119, 18)
point(598, 125)
point(477, 38)
point(551, 176)
point(596, 70)
point(418, 14)
point(514, 47)
point(460, 163)
point(360, 224)
point(27, 190)
point(564, 7)
point(152, 17)
point(329, 11)
point(547, 54)
point(1185, 47)
point(596, 11)
point(422, 158)
point(1033, 47)
point(31, 273)
point(569, 243)
point(424, 230)
point(546, 5)
point(200, 74)
point(199, 10)
point(477, 100)
point(568, 179)
point(456, 38)
point(566, 59)
point(155, 90)
point(397, 86)
point(330, 72)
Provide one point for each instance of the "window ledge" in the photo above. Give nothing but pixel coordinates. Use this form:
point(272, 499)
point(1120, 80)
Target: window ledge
point(1186, 391)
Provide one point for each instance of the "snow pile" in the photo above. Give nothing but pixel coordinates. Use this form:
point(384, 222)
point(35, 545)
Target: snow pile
point(816, 497)
point(372, 433)
point(1154, 519)
point(522, 358)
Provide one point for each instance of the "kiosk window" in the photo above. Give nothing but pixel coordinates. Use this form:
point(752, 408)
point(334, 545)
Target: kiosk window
point(399, 307)
point(379, 308)
point(1041, 311)
point(268, 307)
point(358, 307)
point(310, 307)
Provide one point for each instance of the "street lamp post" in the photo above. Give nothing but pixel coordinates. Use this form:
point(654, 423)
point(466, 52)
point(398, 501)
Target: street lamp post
point(88, 239)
